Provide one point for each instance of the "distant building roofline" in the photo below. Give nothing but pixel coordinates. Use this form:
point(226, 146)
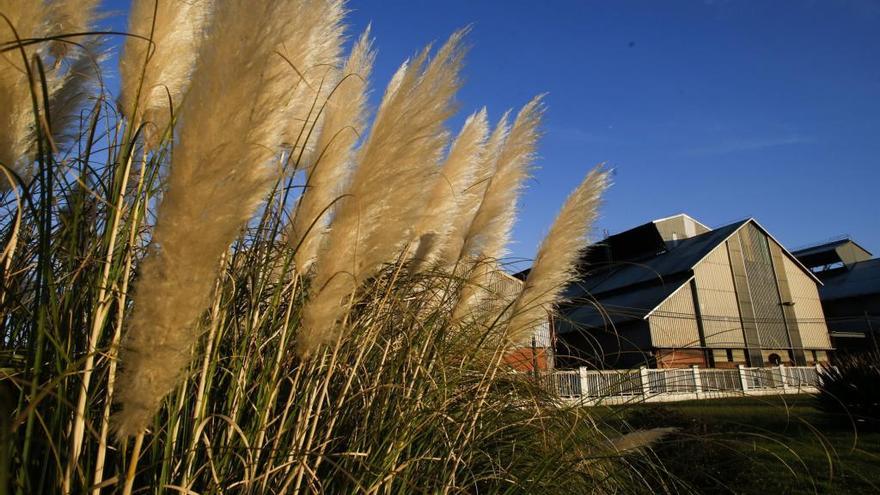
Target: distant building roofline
point(685, 215)
point(828, 244)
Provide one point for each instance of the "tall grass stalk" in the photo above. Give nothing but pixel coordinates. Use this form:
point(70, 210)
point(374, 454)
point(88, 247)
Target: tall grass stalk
point(180, 312)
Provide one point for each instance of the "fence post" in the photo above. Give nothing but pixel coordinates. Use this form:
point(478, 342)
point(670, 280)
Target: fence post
point(783, 377)
point(646, 386)
point(819, 370)
point(698, 383)
point(585, 386)
point(744, 384)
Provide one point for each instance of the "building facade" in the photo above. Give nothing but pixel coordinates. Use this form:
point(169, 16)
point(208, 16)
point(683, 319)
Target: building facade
point(850, 292)
point(674, 293)
point(535, 353)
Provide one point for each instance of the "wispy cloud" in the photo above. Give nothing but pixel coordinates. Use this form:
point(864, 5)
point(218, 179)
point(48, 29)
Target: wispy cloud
point(737, 145)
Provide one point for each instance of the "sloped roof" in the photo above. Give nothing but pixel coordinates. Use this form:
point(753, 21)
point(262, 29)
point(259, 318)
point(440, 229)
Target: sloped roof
point(631, 290)
point(860, 279)
point(844, 251)
point(622, 307)
point(682, 258)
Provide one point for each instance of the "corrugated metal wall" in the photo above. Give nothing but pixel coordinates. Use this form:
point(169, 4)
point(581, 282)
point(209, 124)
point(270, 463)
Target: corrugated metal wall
point(744, 287)
point(717, 298)
point(769, 318)
point(744, 298)
point(807, 307)
point(674, 323)
point(791, 321)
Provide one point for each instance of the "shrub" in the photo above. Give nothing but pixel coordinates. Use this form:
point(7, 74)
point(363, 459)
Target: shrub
point(852, 387)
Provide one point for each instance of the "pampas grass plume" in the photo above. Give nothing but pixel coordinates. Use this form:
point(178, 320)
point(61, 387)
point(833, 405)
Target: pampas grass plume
point(473, 195)
point(345, 116)
point(449, 195)
point(29, 18)
point(156, 74)
point(218, 175)
point(311, 47)
point(69, 17)
point(557, 256)
point(639, 439)
point(385, 200)
point(490, 230)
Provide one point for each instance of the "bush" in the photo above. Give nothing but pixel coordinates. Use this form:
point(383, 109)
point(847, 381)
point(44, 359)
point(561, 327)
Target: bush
point(852, 387)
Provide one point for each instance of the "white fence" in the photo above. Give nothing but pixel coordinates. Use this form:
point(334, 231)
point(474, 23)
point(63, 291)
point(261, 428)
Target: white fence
point(659, 385)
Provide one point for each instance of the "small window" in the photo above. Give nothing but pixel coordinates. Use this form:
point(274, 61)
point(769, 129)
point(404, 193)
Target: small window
point(738, 355)
point(821, 357)
point(721, 355)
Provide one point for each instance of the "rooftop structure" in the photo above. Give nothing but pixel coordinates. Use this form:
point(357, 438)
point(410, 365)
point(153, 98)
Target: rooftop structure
point(850, 292)
point(673, 292)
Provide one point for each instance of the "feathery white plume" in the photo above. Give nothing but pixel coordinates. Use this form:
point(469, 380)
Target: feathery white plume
point(156, 65)
point(312, 48)
point(473, 194)
point(17, 119)
point(449, 192)
point(219, 173)
point(68, 17)
point(557, 257)
point(490, 230)
point(344, 120)
point(385, 199)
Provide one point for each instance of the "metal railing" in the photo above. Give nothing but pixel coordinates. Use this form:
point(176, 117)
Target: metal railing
point(610, 386)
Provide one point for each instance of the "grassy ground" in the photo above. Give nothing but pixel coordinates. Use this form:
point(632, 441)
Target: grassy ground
point(762, 445)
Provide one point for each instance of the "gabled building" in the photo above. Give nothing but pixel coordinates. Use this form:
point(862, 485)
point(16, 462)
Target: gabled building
point(673, 293)
point(850, 292)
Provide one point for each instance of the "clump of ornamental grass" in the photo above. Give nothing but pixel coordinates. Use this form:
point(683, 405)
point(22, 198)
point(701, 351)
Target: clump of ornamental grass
point(178, 312)
point(850, 391)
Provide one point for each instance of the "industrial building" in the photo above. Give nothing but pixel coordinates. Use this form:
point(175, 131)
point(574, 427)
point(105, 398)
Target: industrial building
point(674, 293)
point(850, 292)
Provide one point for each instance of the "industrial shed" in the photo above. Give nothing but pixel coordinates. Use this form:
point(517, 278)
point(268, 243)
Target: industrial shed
point(674, 293)
point(850, 292)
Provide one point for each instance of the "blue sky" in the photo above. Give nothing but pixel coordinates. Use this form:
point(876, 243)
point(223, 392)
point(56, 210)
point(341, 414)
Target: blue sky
point(720, 109)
